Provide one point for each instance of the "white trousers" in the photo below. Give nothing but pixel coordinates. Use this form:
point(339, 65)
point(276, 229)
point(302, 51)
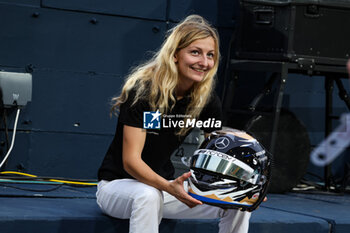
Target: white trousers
point(145, 206)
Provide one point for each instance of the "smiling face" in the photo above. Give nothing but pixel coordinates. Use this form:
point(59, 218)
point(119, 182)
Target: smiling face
point(194, 61)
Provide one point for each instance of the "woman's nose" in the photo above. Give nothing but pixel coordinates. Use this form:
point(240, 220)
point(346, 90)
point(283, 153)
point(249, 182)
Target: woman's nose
point(203, 61)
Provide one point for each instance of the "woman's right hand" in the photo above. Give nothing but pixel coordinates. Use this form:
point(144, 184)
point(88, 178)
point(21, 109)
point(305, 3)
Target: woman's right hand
point(176, 188)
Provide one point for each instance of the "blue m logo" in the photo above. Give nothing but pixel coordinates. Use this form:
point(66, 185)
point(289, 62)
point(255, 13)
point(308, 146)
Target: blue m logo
point(151, 120)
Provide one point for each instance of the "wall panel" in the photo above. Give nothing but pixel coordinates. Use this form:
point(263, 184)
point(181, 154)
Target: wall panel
point(70, 102)
point(22, 2)
point(150, 9)
point(221, 13)
point(68, 40)
point(60, 154)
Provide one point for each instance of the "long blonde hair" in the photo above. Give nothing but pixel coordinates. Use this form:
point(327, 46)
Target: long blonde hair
point(159, 76)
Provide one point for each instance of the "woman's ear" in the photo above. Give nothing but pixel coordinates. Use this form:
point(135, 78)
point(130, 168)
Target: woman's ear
point(175, 58)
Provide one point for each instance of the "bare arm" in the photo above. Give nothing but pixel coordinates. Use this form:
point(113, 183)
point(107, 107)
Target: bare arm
point(133, 143)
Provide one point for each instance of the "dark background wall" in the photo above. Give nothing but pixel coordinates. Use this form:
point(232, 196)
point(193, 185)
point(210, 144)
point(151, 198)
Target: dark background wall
point(80, 51)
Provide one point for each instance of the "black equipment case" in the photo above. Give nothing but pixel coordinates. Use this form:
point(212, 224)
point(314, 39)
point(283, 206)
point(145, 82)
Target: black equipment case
point(314, 31)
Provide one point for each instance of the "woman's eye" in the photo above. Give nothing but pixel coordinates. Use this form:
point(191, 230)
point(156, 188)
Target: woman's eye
point(211, 55)
point(195, 52)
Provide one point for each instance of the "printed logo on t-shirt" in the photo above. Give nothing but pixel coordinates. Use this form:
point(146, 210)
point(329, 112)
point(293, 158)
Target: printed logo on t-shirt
point(151, 120)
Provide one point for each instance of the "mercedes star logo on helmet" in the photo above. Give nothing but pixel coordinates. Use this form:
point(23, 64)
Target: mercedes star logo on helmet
point(222, 143)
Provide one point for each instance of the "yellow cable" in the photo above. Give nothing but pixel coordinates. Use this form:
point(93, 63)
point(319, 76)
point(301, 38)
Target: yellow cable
point(17, 173)
point(53, 180)
point(72, 182)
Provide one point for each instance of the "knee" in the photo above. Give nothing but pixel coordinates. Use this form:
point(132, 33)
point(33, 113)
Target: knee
point(149, 196)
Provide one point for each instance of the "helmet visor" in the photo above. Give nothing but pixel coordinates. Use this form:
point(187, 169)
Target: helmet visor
point(224, 164)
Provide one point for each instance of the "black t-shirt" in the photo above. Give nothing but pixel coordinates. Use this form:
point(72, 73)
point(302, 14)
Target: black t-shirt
point(160, 143)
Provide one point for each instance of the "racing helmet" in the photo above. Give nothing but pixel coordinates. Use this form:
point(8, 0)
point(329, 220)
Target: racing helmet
point(231, 169)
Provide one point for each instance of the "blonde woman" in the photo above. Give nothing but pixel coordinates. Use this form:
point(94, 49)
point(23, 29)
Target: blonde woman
point(175, 90)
